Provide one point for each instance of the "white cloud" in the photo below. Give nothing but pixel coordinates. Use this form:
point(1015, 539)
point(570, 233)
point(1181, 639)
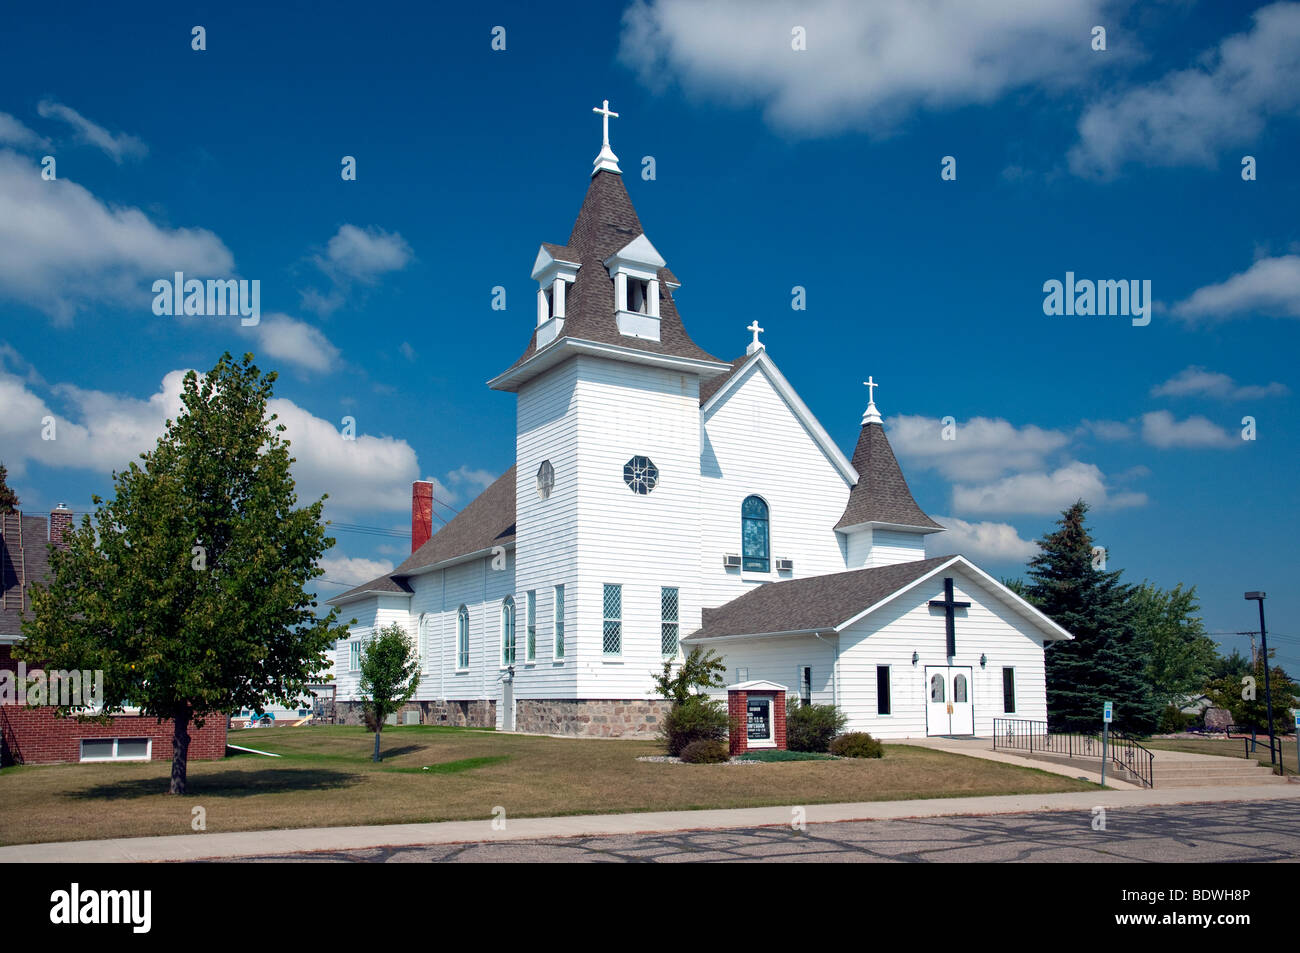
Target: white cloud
point(998, 542)
point(983, 447)
point(353, 570)
point(363, 254)
point(116, 147)
point(14, 133)
point(1043, 492)
point(1161, 429)
point(408, 352)
point(1110, 430)
point(866, 64)
point(297, 342)
point(61, 248)
point(103, 432)
point(1198, 382)
point(1191, 116)
point(1270, 285)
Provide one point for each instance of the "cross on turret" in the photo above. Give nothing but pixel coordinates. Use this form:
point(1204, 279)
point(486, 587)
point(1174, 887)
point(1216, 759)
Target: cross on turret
point(606, 160)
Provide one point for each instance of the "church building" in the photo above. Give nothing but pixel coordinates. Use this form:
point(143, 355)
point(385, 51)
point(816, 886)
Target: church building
point(662, 499)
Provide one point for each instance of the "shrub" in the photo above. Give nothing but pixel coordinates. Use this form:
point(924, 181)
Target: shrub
point(696, 719)
point(1172, 720)
point(705, 751)
point(857, 744)
point(811, 727)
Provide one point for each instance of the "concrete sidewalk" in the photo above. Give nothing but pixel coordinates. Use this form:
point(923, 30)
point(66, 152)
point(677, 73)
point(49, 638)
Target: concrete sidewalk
point(261, 843)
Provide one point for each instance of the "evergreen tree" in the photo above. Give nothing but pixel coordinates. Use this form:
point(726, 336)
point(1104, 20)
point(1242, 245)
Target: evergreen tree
point(1107, 658)
point(8, 498)
point(188, 591)
point(1233, 664)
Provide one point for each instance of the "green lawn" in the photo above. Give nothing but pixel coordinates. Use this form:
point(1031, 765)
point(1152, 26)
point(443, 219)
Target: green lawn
point(1228, 749)
point(326, 778)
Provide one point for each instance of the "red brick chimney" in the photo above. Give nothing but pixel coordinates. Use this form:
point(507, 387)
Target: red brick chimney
point(421, 513)
point(60, 521)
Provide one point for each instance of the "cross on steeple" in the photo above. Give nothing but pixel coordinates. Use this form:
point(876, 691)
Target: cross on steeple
point(606, 160)
point(950, 607)
point(756, 344)
point(872, 416)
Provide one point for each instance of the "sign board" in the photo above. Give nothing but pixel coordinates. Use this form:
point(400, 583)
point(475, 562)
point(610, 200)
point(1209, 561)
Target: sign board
point(759, 719)
point(1108, 712)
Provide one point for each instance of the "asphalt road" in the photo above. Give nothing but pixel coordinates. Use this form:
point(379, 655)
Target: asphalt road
point(1244, 831)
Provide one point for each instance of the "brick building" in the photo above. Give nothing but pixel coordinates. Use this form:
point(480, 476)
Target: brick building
point(34, 734)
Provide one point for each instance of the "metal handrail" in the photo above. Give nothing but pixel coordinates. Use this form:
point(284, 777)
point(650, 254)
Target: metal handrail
point(1022, 734)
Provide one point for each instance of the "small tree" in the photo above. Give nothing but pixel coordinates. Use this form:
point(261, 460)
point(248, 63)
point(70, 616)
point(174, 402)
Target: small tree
point(8, 498)
point(692, 716)
point(699, 670)
point(390, 674)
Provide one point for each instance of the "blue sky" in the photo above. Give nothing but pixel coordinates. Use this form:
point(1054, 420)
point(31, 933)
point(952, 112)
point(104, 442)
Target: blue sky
point(775, 167)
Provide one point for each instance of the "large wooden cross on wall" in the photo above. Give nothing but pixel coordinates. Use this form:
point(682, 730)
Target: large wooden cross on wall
point(950, 607)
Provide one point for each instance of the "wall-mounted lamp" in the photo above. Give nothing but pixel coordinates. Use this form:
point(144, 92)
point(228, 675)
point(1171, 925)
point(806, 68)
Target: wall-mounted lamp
point(984, 660)
point(915, 658)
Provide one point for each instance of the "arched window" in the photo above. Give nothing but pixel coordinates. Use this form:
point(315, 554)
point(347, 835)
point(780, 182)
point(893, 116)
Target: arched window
point(753, 534)
point(508, 631)
point(959, 688)
point(936, 688)
point(462, 637)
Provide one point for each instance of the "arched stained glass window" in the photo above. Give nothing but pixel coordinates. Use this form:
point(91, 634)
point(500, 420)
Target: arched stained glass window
point(959, 688)
point(508, 631)
point(753, 534)
point(936, 688)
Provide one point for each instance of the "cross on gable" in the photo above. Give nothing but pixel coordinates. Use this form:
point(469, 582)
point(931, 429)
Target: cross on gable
point(950, 607)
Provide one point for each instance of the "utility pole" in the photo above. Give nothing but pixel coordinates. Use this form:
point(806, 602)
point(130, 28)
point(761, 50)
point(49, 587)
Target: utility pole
point(1268, 693)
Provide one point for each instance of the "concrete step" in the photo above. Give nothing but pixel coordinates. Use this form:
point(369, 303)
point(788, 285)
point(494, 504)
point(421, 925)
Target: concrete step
point(1238, 781)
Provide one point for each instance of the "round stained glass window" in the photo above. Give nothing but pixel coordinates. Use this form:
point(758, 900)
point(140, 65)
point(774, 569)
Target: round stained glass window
point(641, 475)
point(545, 479)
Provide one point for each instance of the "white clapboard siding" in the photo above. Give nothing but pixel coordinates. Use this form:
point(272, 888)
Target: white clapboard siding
point(640, 542)
point(891, 634)
point(869, 547)
point(779, 660)
point(546, 531)
point(372, 614)
point(754, 443)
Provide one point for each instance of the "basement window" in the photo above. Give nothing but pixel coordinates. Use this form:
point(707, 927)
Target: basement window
point(116, 749)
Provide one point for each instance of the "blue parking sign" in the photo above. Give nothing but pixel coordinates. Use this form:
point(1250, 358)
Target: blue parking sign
point(1107, 712)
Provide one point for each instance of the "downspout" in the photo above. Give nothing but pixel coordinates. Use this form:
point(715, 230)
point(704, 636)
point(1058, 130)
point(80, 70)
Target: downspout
point(835, 668)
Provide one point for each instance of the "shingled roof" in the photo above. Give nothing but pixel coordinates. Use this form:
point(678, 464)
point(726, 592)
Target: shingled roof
point(18, 573)
point(487, 521)
point(606, 223)
point(881, 494)
point(812, 604)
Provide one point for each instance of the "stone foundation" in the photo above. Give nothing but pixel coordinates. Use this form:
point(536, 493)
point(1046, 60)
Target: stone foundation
point(592, 718)
point(478, 713)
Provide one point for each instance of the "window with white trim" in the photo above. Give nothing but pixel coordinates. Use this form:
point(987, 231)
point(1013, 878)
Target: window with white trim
point(532, 626)
point(507, 631)
point(116, 749)
point(668, 599)
point(805, 684)
point(354, 655)
point(558, 610)
point(462, 638)
point(612, 628)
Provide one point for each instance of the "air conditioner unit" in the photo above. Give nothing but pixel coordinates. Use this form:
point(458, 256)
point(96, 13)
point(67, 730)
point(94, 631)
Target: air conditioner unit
point(785, 565)
point(731, 562)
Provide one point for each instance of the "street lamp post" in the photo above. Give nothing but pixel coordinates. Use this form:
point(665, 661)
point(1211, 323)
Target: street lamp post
point(1268, 694)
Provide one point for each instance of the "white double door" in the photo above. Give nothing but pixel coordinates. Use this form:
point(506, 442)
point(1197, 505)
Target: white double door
point(949, 708)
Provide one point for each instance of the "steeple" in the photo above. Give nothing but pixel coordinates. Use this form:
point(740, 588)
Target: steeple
point(881, 496)
point(607, 286)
